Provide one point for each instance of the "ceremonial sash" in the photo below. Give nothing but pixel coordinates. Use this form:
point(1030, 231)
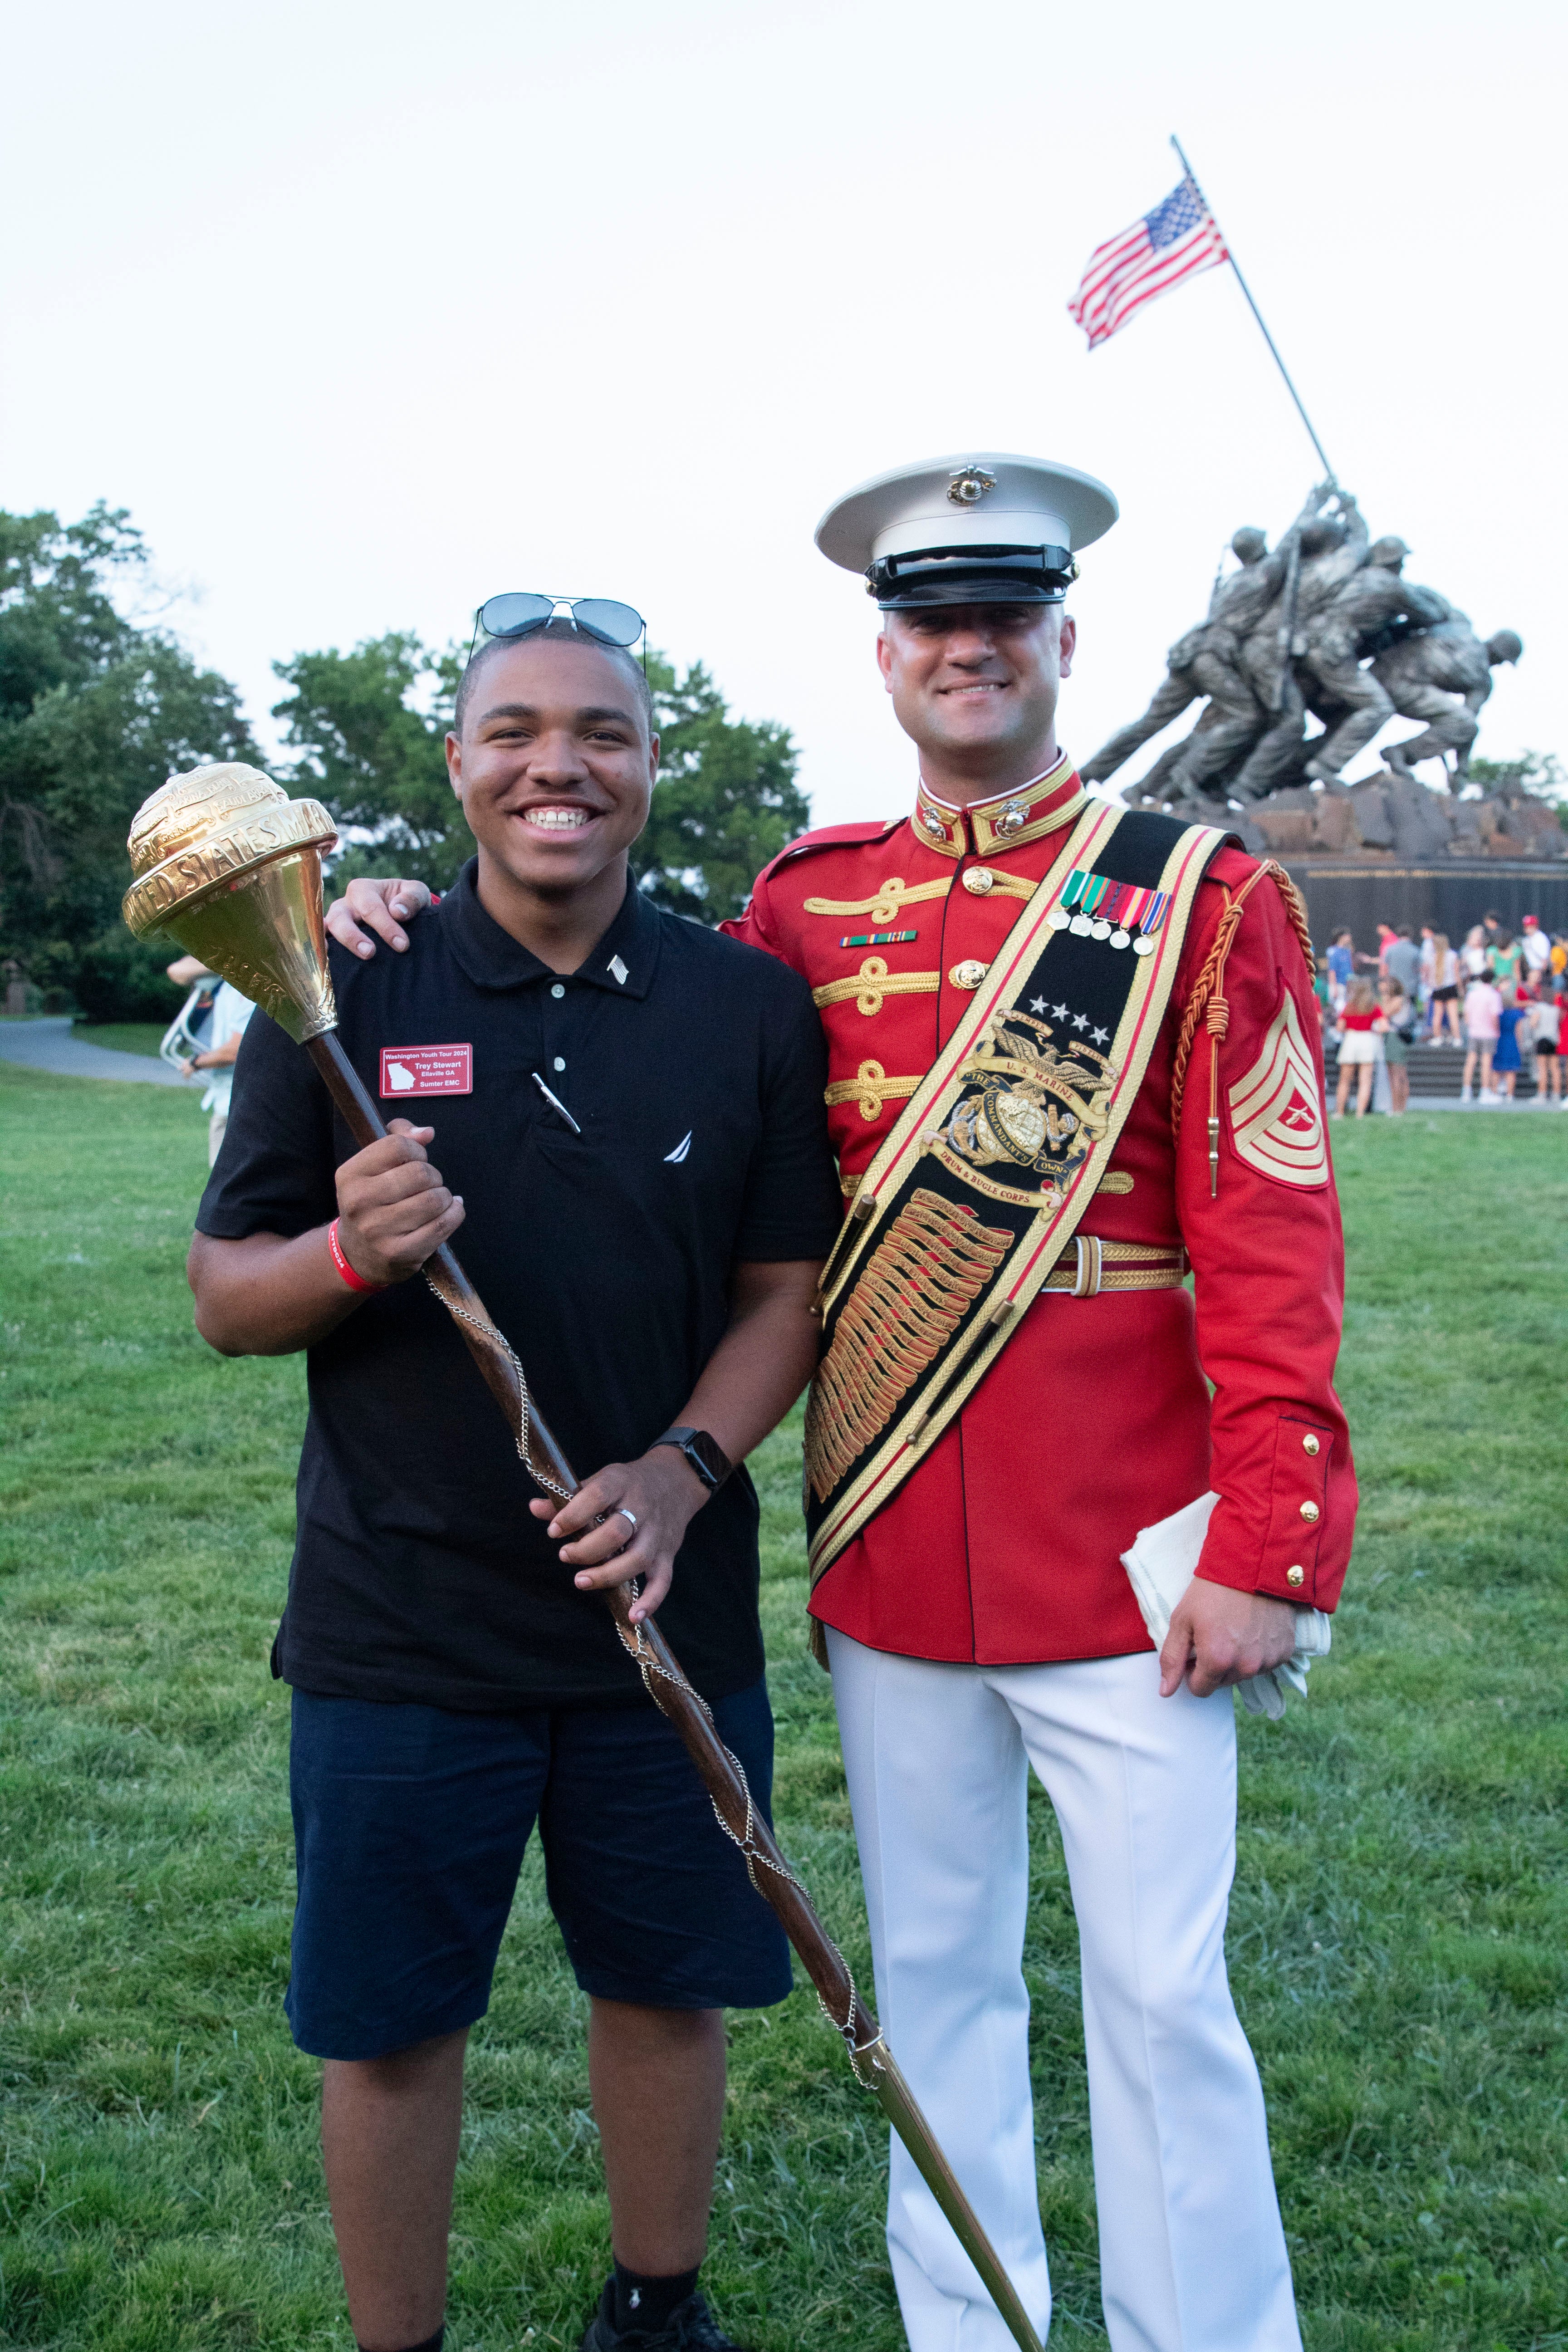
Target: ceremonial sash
point(980, 1186)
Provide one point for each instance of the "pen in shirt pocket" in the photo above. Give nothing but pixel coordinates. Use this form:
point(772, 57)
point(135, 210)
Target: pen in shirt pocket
point(555, 1103)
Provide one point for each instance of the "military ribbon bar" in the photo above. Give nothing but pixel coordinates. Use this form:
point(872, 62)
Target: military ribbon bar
point(1094, 907)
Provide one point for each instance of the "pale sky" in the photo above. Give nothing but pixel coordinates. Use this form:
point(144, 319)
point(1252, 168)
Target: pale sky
point(369, 311)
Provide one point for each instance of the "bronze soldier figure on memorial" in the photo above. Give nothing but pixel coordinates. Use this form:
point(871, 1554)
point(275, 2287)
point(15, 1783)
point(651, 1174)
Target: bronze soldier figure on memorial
point(1325, 627)
point(1229, 658)
point(1443, 677)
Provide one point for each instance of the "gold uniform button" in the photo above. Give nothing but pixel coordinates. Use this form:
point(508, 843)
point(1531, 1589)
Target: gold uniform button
point(1310, 1513)
point(968, 974)
point(1296, 1576)
point(979, 879)
point(1310, 1445)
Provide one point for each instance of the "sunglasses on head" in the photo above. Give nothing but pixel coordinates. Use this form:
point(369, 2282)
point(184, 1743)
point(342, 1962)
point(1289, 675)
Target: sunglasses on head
point(519, 615)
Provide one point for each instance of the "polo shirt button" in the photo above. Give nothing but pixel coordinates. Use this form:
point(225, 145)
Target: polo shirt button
point(560, 1065)
point(1309, 1513)
point(979, 879)
point(968, 974)
point(1297, 1576)
point(558, 989)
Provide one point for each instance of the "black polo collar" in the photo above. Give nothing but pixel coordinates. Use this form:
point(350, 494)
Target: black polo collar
point(493, 959)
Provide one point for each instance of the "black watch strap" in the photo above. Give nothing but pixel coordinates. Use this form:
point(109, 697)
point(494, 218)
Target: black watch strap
point(706, 1455)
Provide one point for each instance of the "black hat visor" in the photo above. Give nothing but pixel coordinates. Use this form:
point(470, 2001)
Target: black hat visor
point(970, 575)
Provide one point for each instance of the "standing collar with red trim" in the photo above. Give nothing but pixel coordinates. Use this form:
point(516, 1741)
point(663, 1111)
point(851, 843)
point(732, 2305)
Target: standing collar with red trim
point(1006, 821)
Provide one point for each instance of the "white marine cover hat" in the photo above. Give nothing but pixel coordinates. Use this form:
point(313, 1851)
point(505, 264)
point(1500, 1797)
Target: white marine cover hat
point(967, 530)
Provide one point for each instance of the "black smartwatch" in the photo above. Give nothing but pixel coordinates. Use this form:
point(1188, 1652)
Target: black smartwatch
point(707, 1458)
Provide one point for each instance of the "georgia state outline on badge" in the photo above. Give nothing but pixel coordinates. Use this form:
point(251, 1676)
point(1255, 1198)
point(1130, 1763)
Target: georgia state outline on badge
point(1276, 1118)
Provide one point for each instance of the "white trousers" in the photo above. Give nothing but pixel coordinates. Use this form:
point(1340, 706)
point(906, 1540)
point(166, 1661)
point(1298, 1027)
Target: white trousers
point(1192, 2253)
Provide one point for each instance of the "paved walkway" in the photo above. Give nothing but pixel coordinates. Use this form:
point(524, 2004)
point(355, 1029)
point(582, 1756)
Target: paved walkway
point(1521, 1110)
point(49, 1045)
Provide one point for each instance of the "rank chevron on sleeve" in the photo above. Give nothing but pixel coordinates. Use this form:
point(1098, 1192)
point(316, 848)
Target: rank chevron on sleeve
point(980, 1185)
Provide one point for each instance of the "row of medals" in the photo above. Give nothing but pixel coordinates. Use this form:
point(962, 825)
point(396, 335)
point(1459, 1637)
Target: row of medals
point(1084, 929)
point(980, 879)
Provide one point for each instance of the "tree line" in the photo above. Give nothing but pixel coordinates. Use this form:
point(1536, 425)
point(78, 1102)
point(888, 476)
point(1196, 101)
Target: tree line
point(100, 701)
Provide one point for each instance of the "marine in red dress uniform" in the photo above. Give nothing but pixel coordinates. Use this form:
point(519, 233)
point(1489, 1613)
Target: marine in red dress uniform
point(1004, 1546)
point(981, 1625)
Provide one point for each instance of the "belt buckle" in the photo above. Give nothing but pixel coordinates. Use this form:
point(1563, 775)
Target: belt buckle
point(1091, 1265)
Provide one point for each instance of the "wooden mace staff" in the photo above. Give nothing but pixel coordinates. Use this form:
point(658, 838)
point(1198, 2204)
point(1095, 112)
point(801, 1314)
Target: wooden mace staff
point(229, 868)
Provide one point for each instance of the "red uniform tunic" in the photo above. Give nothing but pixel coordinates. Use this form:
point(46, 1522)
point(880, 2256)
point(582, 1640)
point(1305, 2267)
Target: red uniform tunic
point(1004, 1546)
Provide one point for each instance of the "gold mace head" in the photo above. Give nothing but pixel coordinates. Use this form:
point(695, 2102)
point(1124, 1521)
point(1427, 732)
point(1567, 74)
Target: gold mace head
point(230, 867)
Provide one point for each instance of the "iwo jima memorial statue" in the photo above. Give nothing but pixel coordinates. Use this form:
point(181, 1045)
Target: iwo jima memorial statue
point(1325, 626)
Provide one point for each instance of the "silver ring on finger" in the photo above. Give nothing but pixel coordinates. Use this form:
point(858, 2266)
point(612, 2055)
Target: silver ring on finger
point(630, 1517)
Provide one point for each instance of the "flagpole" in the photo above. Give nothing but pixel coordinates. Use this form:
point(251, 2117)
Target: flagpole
point(1258, 314)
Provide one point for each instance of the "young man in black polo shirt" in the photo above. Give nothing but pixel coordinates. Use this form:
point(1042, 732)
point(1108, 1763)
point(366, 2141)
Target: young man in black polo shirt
point(645, 1193)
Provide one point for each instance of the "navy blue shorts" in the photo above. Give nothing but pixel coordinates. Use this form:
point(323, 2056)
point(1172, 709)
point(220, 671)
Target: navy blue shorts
point(409, 1829)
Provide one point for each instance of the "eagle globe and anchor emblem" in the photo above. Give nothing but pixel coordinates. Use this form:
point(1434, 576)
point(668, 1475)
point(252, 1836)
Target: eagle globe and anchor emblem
point(967, 484)
point(1027, 1103)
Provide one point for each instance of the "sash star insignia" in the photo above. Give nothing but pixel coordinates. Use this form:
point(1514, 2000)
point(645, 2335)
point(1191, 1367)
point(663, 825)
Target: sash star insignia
point(1036, 1003)
point(1100, 1035)
point(1080, 1020)
point(1060, 1011)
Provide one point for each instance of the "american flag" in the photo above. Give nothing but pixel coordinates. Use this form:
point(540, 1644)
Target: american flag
point(1174, 241)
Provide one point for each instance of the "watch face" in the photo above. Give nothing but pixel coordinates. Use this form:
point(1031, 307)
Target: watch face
point(710, 1457)
point(707, 1457)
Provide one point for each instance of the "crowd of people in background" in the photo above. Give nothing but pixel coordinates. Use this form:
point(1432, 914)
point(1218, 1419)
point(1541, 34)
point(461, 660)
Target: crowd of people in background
point(1498, 997)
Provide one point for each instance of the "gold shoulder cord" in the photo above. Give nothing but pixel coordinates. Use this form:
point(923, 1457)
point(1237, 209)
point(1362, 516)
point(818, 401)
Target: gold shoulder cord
point(1207, 998)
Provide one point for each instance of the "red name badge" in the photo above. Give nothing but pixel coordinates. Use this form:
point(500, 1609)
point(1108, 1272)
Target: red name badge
point(425, 1070)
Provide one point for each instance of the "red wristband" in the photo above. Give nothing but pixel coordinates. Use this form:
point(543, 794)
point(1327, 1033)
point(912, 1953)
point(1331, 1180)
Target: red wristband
point(355, 1281)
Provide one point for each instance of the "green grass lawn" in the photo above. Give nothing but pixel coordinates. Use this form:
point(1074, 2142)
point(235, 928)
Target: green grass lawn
point(122, 1036)
point(1399, 1936)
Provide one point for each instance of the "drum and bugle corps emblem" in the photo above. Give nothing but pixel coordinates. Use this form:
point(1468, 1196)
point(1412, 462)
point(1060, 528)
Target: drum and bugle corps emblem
point(1028, 1105)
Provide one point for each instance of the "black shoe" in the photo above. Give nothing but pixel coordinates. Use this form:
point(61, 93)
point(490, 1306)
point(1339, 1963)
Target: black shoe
point(690, 2327)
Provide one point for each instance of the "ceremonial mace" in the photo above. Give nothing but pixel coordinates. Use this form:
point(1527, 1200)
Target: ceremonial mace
point(228, 866)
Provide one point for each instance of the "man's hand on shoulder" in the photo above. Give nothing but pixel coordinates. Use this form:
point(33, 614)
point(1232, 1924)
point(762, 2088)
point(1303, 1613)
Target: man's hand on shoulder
point(661, 1492)
point(1219, 1635)
point(380, 905)
point(394, 1211)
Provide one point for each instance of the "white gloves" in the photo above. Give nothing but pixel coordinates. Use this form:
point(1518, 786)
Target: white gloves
point(1161, 1566)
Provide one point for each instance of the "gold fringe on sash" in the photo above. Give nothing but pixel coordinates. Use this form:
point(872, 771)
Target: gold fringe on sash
point(934, 1261)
